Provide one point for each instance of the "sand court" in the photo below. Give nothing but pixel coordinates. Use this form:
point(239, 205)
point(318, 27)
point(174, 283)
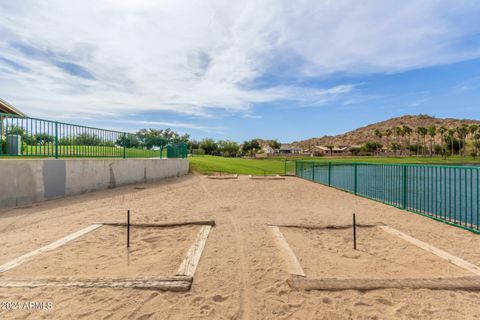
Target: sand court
point(240, 273)
point(159, 256)
point(324, 258)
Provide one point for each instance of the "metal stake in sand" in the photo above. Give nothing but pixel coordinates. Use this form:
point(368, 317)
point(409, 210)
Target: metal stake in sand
point(354, 233)
point(128, 229)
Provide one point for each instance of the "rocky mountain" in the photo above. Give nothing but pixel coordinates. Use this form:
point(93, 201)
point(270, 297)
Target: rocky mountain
point(364, 134)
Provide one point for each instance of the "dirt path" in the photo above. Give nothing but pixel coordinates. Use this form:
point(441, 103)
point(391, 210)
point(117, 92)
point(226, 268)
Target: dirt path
point(247, 292)
point(241, 274)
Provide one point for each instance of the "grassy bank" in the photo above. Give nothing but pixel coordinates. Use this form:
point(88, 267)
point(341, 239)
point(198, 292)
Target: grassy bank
point(276, 165)
point(76, 151)
point(210, 164)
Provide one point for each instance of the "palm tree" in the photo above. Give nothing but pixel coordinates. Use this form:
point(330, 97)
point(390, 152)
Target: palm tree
point(476, 137)
point(451, 136)
point(398, 133)
point(422, 132)
point(432, 132)
point(462, 134)
point(442, 131)
point(407, 132)
point(330, 147)
point(473, 130)
point(379, 134)
point(388, 133)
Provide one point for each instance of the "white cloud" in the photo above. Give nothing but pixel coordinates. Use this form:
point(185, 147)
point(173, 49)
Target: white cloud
point(199, 58)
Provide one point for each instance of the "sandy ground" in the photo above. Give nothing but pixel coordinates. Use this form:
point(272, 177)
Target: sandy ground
point(379, 255)
point(102, 253)
point(241, 274)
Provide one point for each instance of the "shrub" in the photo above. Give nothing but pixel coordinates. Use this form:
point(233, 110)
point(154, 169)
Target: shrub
point(355, 151)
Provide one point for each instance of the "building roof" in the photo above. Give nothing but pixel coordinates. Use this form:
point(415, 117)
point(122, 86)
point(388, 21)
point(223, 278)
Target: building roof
point(285, 147)
point(6, 107)
point(334, 148)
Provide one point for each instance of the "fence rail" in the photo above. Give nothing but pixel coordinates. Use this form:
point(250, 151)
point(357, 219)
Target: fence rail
point(449, 194)
point(31, 137)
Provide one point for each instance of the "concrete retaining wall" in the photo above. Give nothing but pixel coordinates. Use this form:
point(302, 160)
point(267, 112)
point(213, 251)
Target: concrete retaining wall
point(27, 181)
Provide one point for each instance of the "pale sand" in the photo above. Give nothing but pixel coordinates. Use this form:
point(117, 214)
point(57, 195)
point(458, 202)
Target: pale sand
point(241, 274)
point(329, 253)
point(103, 253)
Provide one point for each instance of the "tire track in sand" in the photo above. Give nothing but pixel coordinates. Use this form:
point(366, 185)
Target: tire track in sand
point(246, 293)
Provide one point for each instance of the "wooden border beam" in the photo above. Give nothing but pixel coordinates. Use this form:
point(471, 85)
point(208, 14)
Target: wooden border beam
point(436, 251)
point(464, 283)
point(225, 177)
point(319, 227)
point(162, 225)
point(293, 266)
point(275, 177)
point(160, 283)
point(191, 260)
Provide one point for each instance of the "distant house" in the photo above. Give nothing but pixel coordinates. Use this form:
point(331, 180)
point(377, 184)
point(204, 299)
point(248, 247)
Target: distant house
point(322, 150)
point(6, 107)
point(288, 150)
point(269, 151)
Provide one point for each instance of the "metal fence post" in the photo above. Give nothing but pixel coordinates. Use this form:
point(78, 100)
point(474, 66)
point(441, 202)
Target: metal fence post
point(355, 179)
point(56, 139)
point(285, 168)
point(329, 174)
point(124, 145)
point(313, 171)
point(404, 187)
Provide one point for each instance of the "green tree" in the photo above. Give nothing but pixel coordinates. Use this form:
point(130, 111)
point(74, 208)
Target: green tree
point(193, 145)
point(379, 134)
point(330, 147)
point(442, 130)
point(432, 132)
point(399, 134)
point(42, 139)
point(407, 131)
point(462, 132)
point(150, 138)
point(451, 138)
point(228, 148)
point(422, 132)
point(87, 139)
point(473, 132)
point(209, 146)
point(388, 133)
point(127, 141)
point(274, 144)
point(250, 146)
point(370, 146)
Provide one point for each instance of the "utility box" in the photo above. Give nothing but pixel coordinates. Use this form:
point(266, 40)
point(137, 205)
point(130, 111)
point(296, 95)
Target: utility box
point(14, 145)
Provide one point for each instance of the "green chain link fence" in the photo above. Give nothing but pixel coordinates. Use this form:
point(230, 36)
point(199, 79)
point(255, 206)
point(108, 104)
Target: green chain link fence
point(31, 137)
point(448, 194)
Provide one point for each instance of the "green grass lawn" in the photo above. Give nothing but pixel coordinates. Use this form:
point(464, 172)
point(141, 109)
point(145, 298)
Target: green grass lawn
point(210, 164)
point(276, 165)
point(76, 151)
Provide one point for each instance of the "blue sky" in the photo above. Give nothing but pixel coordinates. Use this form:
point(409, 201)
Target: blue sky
point(288, 70)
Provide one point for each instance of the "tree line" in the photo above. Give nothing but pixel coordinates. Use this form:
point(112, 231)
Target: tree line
point(228, 148)
point(144, 138)
point(460, 140)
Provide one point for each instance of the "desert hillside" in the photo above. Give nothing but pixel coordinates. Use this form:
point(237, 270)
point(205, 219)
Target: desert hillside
point(364, 134)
